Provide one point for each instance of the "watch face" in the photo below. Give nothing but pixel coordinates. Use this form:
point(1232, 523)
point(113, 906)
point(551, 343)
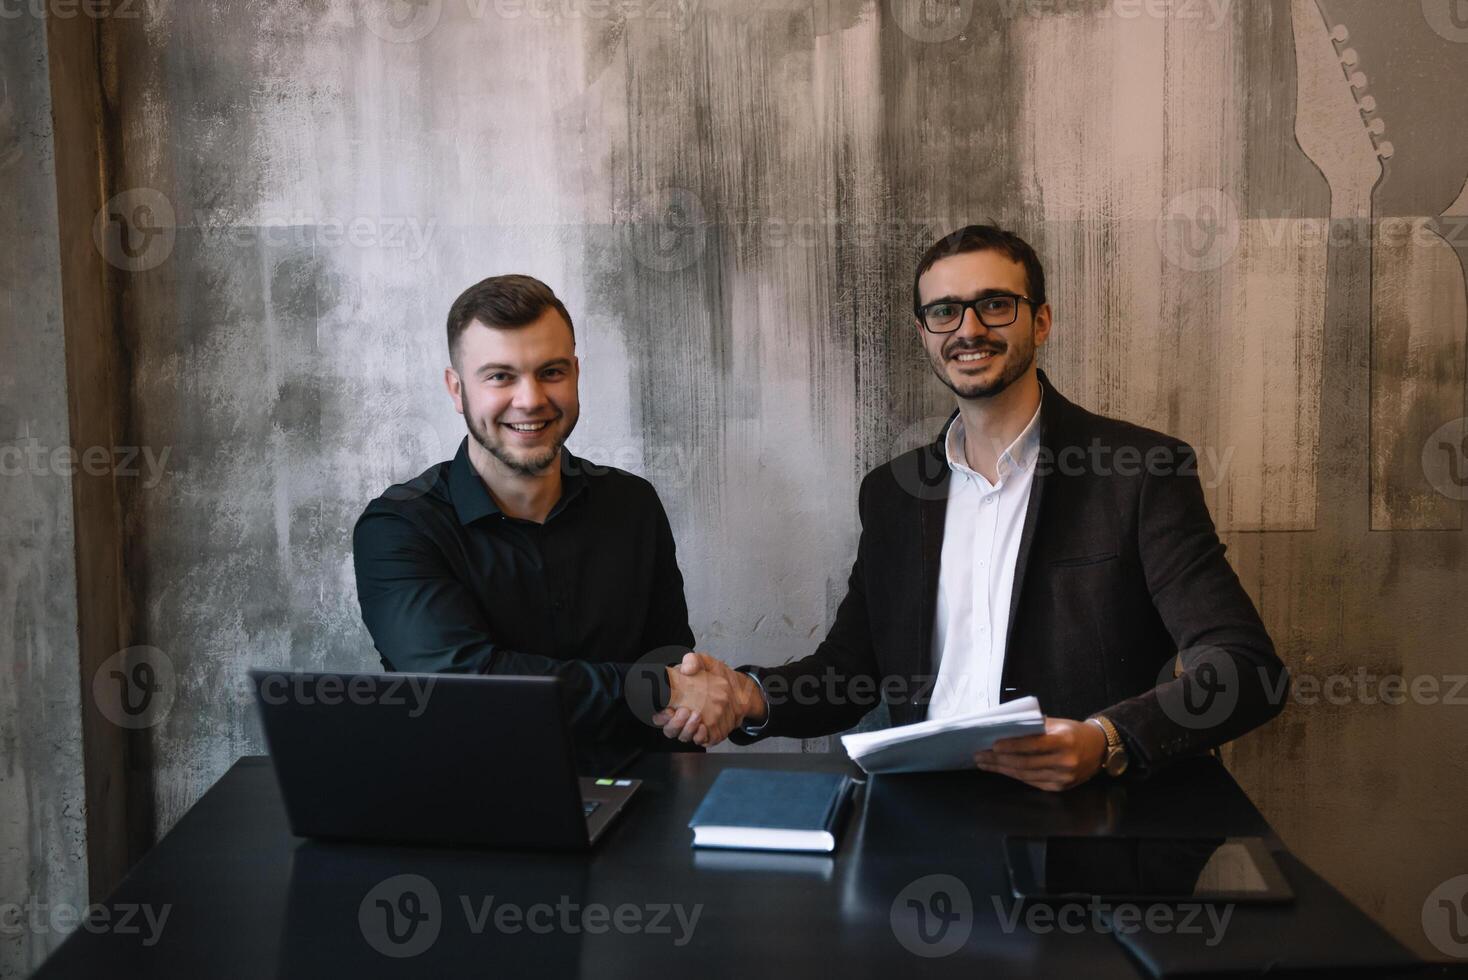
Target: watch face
point(1116, 762)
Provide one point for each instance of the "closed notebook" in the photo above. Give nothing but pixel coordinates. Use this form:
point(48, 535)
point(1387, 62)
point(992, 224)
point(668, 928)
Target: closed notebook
point(772, 811)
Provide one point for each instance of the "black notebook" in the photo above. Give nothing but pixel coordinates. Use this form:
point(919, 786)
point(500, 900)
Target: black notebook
point(772, 811)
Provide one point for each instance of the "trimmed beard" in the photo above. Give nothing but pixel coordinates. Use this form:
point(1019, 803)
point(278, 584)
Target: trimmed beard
point(1013, 371)
point(533, 467)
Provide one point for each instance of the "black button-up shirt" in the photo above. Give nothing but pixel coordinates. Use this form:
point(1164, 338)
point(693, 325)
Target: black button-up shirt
point(449, 583)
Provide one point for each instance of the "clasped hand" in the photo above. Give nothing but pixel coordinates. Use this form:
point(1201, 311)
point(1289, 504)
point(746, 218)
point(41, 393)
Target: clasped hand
point(708, 699)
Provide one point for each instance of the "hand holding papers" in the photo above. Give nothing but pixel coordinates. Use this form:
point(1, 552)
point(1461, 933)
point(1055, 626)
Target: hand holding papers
point(947, 743)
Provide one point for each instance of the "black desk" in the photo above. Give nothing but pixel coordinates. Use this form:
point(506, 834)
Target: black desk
point(248, 900)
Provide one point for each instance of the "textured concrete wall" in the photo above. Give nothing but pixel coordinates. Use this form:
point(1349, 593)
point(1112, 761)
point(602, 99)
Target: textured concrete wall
point(42, 824)
point(730, 197)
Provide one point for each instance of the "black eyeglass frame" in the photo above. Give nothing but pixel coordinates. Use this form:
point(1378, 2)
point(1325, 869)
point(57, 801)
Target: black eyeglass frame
point(972, 304)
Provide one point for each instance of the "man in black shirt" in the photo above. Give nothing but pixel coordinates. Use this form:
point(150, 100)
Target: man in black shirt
point(516, 557)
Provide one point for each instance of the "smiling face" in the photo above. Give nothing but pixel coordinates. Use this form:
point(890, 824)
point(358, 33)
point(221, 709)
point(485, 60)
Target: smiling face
point(517, 389)
point(978, 361)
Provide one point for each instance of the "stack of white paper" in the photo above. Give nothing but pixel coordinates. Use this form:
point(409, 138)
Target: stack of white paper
point(947, 743)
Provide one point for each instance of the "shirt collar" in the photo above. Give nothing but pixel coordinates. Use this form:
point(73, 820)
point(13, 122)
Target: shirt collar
point(1021, 453)
point(472, 499)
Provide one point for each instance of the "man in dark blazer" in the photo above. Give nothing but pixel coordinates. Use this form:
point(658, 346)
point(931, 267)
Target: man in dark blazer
point(1035, 548)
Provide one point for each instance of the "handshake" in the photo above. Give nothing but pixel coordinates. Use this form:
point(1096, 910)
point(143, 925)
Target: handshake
point(708, 699)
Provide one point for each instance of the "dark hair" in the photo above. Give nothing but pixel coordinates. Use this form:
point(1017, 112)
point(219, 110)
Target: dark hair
point(978, 238)
point(505, 302)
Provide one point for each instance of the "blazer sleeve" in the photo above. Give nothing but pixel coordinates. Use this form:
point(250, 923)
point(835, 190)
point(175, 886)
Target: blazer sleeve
point(830, 690)
point(1231, 679)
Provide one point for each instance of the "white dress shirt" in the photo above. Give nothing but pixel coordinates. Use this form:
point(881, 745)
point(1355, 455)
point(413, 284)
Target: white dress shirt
point(981, 532)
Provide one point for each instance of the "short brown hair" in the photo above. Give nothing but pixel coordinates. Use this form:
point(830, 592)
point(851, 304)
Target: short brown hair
point(979, 238)
point(505, 302)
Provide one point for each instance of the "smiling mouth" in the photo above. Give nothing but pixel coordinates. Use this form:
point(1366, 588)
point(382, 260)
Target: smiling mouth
point(974, 356)
point(527, 426)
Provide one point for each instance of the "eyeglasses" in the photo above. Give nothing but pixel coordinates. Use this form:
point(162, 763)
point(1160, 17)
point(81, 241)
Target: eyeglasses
point(993, 310)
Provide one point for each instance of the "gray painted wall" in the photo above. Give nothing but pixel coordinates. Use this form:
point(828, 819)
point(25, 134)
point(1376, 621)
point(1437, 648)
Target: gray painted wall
point(730, 197)
point(42, 820)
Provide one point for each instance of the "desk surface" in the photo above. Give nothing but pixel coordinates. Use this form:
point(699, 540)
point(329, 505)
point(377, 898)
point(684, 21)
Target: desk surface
point(246, 899)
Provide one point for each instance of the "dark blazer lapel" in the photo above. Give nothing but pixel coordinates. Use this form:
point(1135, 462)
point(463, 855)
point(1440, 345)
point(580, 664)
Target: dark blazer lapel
point(1052, 408)
point(933, 512)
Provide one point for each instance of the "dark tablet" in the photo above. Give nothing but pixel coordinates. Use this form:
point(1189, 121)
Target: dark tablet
point(1184, 869)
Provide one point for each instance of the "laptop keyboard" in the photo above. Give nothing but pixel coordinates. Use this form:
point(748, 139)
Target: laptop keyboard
point(588, 807)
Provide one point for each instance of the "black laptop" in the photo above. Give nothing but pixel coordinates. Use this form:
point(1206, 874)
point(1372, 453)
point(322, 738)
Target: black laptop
point(431, 759)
